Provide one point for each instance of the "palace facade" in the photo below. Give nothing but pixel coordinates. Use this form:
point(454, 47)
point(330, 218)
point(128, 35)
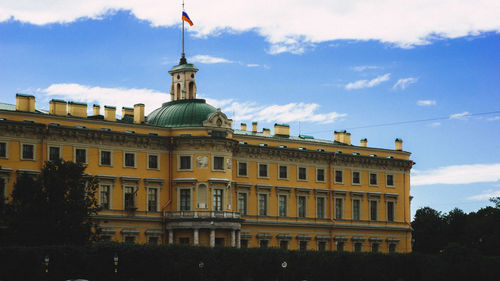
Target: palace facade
point(182, 174)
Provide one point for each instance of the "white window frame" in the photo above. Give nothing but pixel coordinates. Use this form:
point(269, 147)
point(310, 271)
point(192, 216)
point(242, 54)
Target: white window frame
point(287, 172)
point(370, 209)
point(135, 159)
point(111, 157)
point(335, 176)
point(360, 208)
point(60, 150)
point(191, 199)
point(246, 202)
point(157, 161)
point(190, 162)
point(86, 154)
point(393, 180)
point(287, 207)
point(21, 151)
point(258, 171)
point(222, 201)
point(134, 189)
point(246, 169)
point(369, 178)
point(305, 206)
point(352, 177)
point(298, 173)
point(223, 163)
point(324, 174)
point(267, 202)
point(393, 210)
point(6, 149)
point(110, 194)
point(342, 211)
point(324, 206)
point(158, 190)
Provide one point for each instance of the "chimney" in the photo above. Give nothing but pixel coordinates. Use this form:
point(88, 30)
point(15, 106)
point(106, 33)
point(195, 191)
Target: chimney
point(25, 103)
point(127, 111)
point(282, 130)
point(97, 110)
point(363, 142)
point(243, 126)
point(77, 109)
point(57, 107)
point(138, 113)
point(254, 127)
point(266, 131)
point(398, 144)
point(109, 113)
point(342, 137)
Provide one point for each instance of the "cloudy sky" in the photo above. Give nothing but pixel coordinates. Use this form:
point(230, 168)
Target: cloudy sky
point(424, 71)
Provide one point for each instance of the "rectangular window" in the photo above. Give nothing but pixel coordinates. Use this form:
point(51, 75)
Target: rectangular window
point(339, 208)
point(153, 161)
point(185, 200)
point(340, 246)
point(373, 210)
point(389, 180)
point(339, 176)
point(263, 243)
point(282, 208)
point(302, 173)
point(262, 204)
point(303, 245)
point(392, 248)
point(390, 211)
point(218, 163)
point(242, 203)
point(104, 197)
point(321, 246)
point(54, 153)
point(105, 158)
point(129, 198)
point(262, 170)
point(185, 162)
point(373, 178)
point(217, 200)
point(358, 247)
point(284, 244)
point(3, 150)
point(320, 207)
point(153, 240)
point(242, 169)
point(356, 178)
point(320, 175)
point(81, 155)
point(129, 160)
point(130, 239)
point(244, 243)
point(301, 208)
point(152, 199)
point(356, 209)
point(283, 173)
point(28, 152)
point(375, 247)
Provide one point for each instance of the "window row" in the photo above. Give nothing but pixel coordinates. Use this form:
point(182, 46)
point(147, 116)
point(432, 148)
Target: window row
point(321, 245)
point(81, 155)
point(129, 198)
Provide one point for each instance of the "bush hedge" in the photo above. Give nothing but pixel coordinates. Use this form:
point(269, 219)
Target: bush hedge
point(155, 263)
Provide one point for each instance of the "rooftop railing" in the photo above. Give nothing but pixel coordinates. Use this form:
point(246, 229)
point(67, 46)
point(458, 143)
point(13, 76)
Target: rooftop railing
point(201, 215)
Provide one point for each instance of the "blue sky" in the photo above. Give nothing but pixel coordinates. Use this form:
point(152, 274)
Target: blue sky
point(331, 66)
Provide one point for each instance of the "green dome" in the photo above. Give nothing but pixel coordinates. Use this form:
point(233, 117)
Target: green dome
point(181, 113)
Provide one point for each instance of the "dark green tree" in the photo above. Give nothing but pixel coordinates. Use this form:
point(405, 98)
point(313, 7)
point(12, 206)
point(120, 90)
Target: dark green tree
point(428, 231)
point(54, 208)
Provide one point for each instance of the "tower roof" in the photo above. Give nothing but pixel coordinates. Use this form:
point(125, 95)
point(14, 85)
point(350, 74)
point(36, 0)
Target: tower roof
point(181, 113)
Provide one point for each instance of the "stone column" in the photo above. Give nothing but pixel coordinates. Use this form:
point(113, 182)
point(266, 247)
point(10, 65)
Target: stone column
point(212, 238)
point(196, 237)
point(238, 239)
point(233, 238)
point(170, 236)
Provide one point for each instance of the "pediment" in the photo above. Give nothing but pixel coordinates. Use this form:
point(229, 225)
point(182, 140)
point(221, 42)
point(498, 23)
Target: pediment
point(218, 119)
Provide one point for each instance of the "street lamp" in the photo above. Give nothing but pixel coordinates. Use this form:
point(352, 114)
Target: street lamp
point(201, 265)
point(284, 265)
point(115, 260)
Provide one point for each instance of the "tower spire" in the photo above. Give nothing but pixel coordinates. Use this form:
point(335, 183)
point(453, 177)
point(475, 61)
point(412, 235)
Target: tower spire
point(183, 56)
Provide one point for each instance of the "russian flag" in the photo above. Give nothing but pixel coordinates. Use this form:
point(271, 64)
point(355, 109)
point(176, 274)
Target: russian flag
point(186, 18)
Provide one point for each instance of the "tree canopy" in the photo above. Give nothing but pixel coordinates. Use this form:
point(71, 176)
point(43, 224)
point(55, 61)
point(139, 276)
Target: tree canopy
point(53, 208)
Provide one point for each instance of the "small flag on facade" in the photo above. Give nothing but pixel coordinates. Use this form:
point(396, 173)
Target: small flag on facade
point(186, 18)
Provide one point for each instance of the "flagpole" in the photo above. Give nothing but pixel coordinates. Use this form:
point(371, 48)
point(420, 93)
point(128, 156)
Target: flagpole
point(183, 57)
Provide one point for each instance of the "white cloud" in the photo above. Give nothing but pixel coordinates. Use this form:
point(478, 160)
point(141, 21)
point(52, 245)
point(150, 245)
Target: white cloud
point(403, 83)
point(361, 84)
point(460, 116)
point(486, 195)
point(361, 68)
point(435, 124)
point(494, 118)
point(253, 65)
point(288, 25)
point(243, 111)
point(457, 174)
point(208, 59)
point(426, 102)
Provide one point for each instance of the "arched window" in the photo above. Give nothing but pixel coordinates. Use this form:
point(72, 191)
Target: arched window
point(178, 91)
point(191, 90)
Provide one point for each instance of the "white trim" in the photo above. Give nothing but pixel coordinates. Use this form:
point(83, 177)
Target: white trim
point(352, 177)
point(238, 169)
point(134, 191)
point(238, 201)
point(258, 170)
point(21, 144)
point(305, 206)
point(157, 161)
point(191, 200)
point(110, 185)
point(370, 210)
point(267, 194)
point(342, 209)
point(6, 149)
point(86, 153)
point(360, 209)
point(393, 210)
point(111, 158)
point(369, 179)
point(124, 159)
point(179, 169)
point(158, 190)
point(335, 176)
point(393, 180)
point(324, 206)
point(298, 173)
point(223, 163)
point(60, 151)
point(287, 172)
point(287, 202)
point(324, 175)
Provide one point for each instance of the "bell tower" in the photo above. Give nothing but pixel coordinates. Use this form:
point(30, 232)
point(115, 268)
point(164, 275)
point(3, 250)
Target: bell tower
point(183, 81)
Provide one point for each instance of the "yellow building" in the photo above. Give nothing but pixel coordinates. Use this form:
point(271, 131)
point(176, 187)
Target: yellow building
point(184, 175)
